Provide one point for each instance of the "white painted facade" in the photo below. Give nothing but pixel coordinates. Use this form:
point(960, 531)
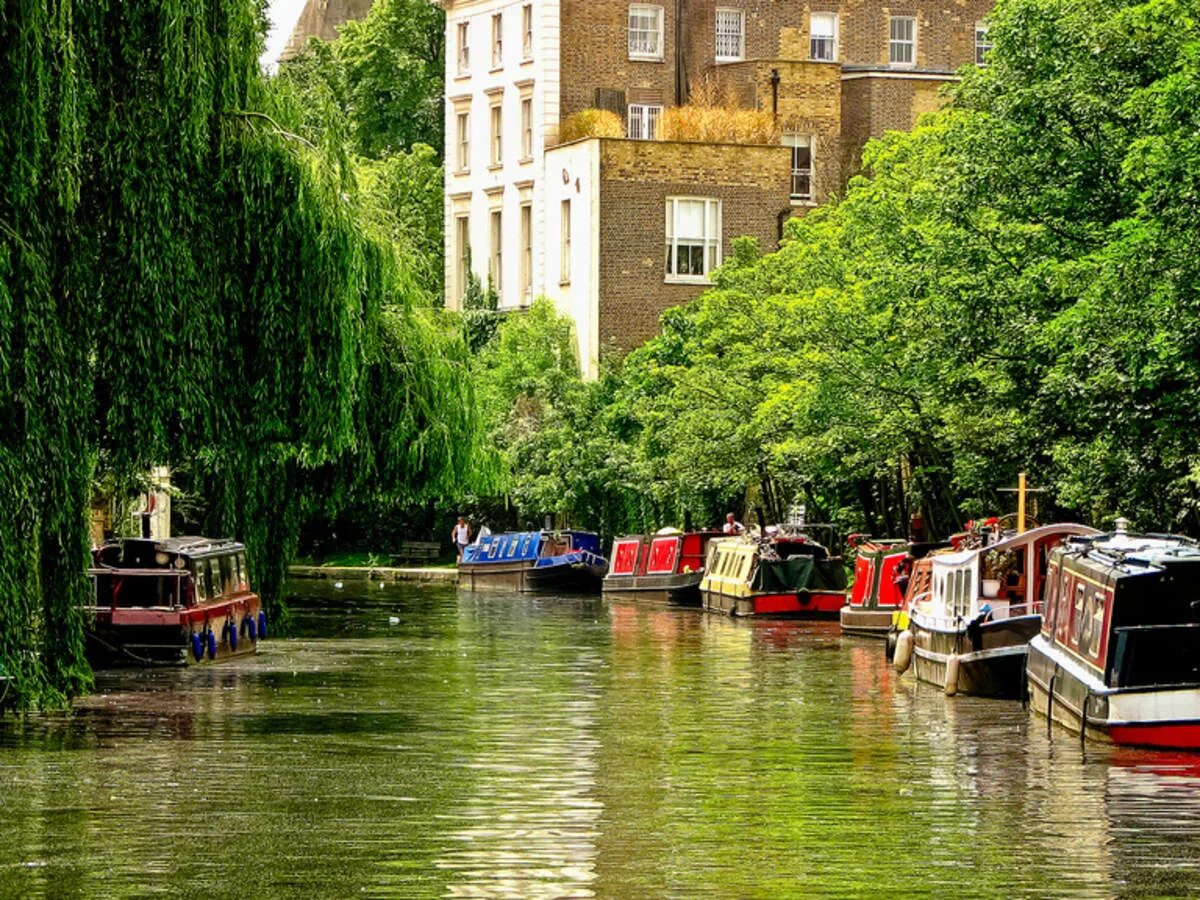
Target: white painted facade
point(477, 187)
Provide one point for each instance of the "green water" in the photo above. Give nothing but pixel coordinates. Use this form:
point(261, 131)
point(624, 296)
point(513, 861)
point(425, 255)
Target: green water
point(513, 746)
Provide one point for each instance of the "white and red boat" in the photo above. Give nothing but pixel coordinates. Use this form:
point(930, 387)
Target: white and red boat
point(878, 592)
point(665, 567)
point(172, 601)
point(792, 573)
point(1118, 656)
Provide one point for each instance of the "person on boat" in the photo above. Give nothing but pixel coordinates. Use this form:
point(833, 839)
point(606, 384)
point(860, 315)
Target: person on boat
point(461, 536)
point(732, 525)
point(902, 574)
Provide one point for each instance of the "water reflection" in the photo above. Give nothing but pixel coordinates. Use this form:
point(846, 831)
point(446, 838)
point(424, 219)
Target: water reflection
point(500, 745)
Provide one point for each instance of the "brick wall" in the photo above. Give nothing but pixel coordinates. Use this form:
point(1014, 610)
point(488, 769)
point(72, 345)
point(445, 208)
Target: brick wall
point(595, 54)
point(872, 106)
point(636, 177)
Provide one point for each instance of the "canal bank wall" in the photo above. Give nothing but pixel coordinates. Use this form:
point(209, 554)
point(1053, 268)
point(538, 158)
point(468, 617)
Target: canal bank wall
point(374, 573)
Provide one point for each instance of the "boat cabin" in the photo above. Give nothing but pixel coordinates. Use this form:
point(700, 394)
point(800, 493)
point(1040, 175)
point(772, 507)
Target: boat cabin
point(528, 546)
point(176, 573)
point(1127, 606)
point(659, 554)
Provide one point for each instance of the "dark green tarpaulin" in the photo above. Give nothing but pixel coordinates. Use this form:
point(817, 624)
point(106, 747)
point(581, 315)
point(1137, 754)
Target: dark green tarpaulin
point(800, 573)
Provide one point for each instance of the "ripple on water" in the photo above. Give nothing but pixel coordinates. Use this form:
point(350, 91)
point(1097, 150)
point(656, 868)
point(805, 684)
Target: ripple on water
point(508, 746)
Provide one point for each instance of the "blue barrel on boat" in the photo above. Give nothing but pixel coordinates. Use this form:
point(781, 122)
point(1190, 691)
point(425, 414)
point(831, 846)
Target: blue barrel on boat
point(262, 625)
point(212, 644)
point(233, 636)
point(197, 645)
point(251, 628)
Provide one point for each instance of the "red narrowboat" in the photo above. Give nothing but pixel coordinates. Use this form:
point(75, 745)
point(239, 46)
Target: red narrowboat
point(876, 592)
point(789, 573)
point(174, 601)
point(1118, 656)
point(665, 567)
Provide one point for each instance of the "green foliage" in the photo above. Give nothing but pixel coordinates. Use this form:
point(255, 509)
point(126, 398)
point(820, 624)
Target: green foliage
point(1013, 286)
point(183, 280)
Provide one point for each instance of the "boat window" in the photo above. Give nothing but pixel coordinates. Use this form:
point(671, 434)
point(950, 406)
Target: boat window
point(216, 586)
point(1077, 621)
point(200, 580)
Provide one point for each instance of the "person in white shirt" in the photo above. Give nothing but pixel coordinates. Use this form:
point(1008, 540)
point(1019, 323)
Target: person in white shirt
point(461, 536)
point(732, 525)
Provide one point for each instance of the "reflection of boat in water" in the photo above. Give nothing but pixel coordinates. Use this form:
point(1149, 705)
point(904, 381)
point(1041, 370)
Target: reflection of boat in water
point(533, 561)
point(876, 595)
point(664, 567)
point(1118, 657)
point(788, 573)
point(970, 632)
point(171, 601)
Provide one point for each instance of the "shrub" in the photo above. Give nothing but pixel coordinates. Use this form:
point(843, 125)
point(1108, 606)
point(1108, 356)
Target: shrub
point(590, 123)
point(713, 115)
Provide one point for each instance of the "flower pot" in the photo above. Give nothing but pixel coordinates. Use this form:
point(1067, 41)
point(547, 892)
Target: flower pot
point(991, 588)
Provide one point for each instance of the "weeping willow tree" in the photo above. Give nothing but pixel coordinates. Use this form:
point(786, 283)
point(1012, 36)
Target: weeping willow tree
point(184, 281)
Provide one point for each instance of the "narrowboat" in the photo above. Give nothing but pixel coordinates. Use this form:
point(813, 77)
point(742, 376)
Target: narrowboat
point(970, 632)
point(1118, 656)
point(533, 561)
point(789, 573)
point(878, 591)
point(174, 601)
point(665, 567)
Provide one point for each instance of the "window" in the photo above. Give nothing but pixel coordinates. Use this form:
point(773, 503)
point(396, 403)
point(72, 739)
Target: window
point(643, 121)
point(982, 44)
point(497, 40)
point(564, 259)
point(497, 134)
point(462, 261)
point(495, 263)
point(464, 48)
point(822, 30)
point(527, 128)
point(731, 34)
point(526, 252)
point(902, 40)
point(693, 238)
point(801, 145)
point(645, 32)
point(527, 31)
point(463, 154)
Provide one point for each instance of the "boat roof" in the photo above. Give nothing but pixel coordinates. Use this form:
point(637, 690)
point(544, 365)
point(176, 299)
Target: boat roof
point(1136, 553)
point(1010, 541)
point(188, 545)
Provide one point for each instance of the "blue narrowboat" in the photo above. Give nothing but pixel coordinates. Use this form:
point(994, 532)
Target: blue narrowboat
point(533, 561)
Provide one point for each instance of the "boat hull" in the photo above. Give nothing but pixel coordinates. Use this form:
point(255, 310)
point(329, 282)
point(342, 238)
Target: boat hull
point(164, 637)
point(1061, 689)
point(991, 658)
point(572, 577)
point(495, 576)
point(866, 622)
point(677, 590)
point(801, 605)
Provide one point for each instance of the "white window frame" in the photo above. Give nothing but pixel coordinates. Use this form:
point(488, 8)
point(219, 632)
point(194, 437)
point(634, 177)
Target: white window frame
point(709, 241)
point(526, 128)
point(526, 225)
point(498, 40)
point(982, 44)
point(795, 142)
point(641, 121)
point(564, 243)
point(832, 36)
point(462, 257)
point(639, 47)
point(496, 245)
point(496, 126)
point(462, 122)
point(527, 32)
point(730, 50)
point(895, 43)
point(464, 48)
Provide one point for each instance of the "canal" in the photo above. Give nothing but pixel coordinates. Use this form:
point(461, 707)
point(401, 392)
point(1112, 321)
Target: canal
point(416, 741)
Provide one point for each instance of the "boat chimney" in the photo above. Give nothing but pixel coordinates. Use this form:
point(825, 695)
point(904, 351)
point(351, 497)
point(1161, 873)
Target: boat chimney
point(1122, 525)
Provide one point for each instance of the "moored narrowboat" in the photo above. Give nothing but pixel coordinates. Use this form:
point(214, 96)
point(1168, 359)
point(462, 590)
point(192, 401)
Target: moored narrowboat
point(970, 631)
point(174, 601)
point(882, 571)
point(665, 567)
point(533, 561)
point(789, 573)
point(1118, 656)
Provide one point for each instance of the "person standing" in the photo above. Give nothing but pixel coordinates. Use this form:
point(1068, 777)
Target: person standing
point(732, 525)
point(461, 536)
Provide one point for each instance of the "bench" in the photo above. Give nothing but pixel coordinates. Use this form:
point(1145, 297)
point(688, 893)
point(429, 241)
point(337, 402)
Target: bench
point(417, 551)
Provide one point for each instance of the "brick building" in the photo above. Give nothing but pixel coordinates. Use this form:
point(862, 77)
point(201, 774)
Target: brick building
point(617, 230)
